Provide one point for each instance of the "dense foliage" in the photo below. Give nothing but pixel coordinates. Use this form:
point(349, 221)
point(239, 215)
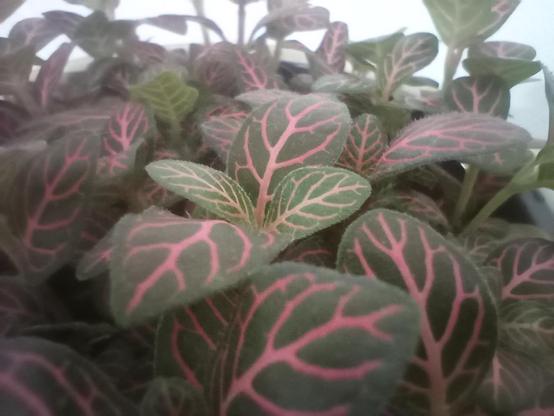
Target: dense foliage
point(211, 232)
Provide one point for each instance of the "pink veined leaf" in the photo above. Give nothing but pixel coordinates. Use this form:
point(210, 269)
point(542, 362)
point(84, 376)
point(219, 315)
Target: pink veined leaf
point(161, 260)
point(416, 204)
point(253, 74)
point(410, 54)
point(310, 341)
point(511, 383)
point(451, 136)
point(66, 22)
point(290, 19)
point(365, 144)
point(125, 128)
point(486, 95)
point(281, 136)
point(188, 337)
point(49, 210)
point(147, 53)
point(37, 373)
point(219, 132)
point(333, 46)
point(543, 406)
point(313, 198)
point(503, 163)
point(36, 32)
point(501, 10)
point(172, 397)
point(507, 50)
point(458, 316)
point(211, 68)
point(527, 267)
point(51, 73)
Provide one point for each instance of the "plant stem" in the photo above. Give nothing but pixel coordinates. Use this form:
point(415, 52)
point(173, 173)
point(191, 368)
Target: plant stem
point(502, 196)
point(242, 22)
point(200, 12)
point(470, 178)
point(277, 53)
point(453, 58)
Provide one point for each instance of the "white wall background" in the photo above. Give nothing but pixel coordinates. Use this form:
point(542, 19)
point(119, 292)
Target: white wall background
point(532, 23)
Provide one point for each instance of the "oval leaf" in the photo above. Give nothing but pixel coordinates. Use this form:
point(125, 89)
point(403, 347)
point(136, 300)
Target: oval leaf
point(507, 50)
point(448, 137)
point(51, 73)
point(40, 377)
point(364, 146)
point(253, 74)
point(527, 266)
point(161, 260)
point(486, 95)
point(208, 188)
point(409, 55)
point(309, 340)
point(458, 317)
point(333, 46)
point(219, 132)
point(313, 198)
point(511, 71)
point(282, 136)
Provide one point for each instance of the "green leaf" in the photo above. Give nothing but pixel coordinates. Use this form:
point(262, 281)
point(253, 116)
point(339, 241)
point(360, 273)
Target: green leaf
point(313, 198)
point(172, 396)
point(169, 97)
point(375, 50)
point(484, 94)
point(511, 71)
point(208, 188)
point(549, 92)
point(8, 7)
point(161, 261)
point(505, 50)
point(309, 340)
point(409, 55)
point(452, 136)
point(458, 314)
point(463, 22)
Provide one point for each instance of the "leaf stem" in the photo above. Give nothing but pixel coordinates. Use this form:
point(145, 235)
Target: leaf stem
point(453, 58)
point(201, 12)
point(470, 178)
point(277, 53)
point(502, 196)
point(242, 22)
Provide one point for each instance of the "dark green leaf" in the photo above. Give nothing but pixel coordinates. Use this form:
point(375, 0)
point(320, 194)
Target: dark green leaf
point(172, 397)
point(511, 71)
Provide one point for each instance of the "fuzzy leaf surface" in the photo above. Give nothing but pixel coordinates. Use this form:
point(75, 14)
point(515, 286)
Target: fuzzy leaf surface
point(38, 373)
point(310, 341)
point(162, 260)
point(365, 144)
point(281, 136)
point(169, 97)
point(48, 211)
point(410, 54)
point(486, 95)
point(210, 189)
point(527, 267)
point(313, 198)
point(451, 136)
point(188, 338)
point(458, 317)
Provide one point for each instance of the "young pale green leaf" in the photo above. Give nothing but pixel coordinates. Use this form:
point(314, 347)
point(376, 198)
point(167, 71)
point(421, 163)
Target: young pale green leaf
point(161, 261)
point(528, 327)
point(284, 135)
point(313, 198)
point(463, 22)
point(458, 314)
point(452, 136)
point(311, 341)
point(364, 146)
point(208, 188)
point(169, 97)
point(512, 71)
point(485, 94)
point(409, 55)
point(172, 397)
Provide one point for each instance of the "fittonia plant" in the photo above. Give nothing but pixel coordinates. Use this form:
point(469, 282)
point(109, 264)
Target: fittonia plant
point(206, 232)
